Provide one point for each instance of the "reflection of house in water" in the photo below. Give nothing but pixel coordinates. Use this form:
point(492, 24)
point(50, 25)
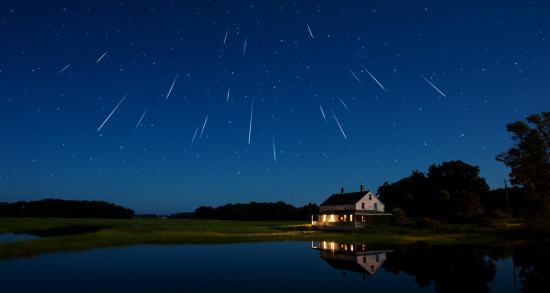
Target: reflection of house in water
point(353, 257)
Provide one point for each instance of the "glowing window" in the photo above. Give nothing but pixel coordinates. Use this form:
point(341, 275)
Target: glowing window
point(332, 218)
point(332, 246)
point(324, 245)
point(324, 218)
point(351, 218)
point(345, 218)
point(351, 247)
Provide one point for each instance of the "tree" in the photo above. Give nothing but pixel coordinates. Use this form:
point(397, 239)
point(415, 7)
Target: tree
point(529, 159)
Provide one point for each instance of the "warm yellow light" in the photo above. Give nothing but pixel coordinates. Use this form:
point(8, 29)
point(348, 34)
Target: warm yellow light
point(332, 246)
point(325, 245)
point(332, 218)
point(351, 218)
point(324, 218)
point(351, 247)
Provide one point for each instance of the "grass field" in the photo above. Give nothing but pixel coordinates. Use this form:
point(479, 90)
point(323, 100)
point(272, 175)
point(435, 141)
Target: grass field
point(169, 232)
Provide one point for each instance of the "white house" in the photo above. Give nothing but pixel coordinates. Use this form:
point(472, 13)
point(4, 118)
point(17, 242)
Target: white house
point(347, 211)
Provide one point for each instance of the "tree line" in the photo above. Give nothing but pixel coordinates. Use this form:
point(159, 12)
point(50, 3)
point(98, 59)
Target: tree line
point(58, 208)
point(454, 189)
point(258, 211)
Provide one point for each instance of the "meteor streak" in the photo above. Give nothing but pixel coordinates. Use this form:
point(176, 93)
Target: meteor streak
point(244, 49)
point(228, 94)
point(140, 120)
point(322, 112)
point(309, 30)
point(64, 68)
point(171, 87)
point(204, 126)
point(339, 124)
point(113, 111)
point(373, 78)
point(274, 155)
point(250, 129)
point(434, 86)
point(355, 76)
point(194, 136)
point(102, 56)
point(225, 37)
point(343, 103)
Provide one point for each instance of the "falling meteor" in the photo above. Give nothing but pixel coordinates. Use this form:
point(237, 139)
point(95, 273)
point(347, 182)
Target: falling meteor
point(64, 68)
point(309, 30)
point(225, 37)
point(434, 86)
point(355, 76)
point(339, 124)
point(274, 155)
point(373, 78)
point(113, 111)
point(204, 126)
point(250, 129)
point(322, 112)
point(171, 87)
point(194, 136)
point(140, 120)
point(343, 103)
point(244, 49)
point(228, 94)
point(102, 56)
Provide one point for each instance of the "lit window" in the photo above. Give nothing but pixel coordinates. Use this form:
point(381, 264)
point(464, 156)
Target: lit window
point(363, 219)
point(324, 218)
point(351, 218)
point(351, 247)
point(332, 218)
point(325, 245)
point(332, 246)
point(345, 218)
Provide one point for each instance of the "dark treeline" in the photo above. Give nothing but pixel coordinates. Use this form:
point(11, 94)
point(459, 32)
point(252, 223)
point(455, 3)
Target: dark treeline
point(455, 190)
point(254, 211)
point(450, 190)
point(58, 208)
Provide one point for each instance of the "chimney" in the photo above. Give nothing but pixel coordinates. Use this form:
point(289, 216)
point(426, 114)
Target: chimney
point(342, 190)
point(362, 187)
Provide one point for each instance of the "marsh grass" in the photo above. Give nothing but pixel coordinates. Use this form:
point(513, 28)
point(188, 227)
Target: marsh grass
point(172, 232)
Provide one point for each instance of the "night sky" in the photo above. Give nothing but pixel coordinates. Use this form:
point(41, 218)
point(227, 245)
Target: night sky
point(319, 120)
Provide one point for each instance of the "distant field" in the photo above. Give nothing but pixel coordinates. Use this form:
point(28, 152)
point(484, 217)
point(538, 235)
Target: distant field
point(167, 232)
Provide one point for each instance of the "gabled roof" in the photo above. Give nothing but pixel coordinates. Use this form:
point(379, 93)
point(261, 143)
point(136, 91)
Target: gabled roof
point(344, 199)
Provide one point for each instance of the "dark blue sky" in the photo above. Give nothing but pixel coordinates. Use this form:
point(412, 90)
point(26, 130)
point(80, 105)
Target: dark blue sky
point(489, 59)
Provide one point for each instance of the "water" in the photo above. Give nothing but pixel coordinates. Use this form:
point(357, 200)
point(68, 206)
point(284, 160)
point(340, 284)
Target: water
point(10, 237)
point(284, 267)
point(53, 232)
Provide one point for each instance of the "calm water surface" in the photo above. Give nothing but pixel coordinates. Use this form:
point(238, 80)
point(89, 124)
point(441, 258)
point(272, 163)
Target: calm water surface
point(283, 267)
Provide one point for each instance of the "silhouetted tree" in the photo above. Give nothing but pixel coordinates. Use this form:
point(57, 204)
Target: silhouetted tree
point(529, 160)
point(58, 208)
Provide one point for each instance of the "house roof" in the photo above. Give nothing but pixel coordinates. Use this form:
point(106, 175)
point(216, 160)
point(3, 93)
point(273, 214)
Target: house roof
point(344, 199)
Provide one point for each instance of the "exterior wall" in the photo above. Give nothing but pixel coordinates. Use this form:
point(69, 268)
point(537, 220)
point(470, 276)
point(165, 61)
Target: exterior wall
point(369, 203)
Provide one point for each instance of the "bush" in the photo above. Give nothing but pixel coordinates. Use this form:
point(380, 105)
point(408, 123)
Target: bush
point(499, 214)
point(491, 223)
point(423, 223)
point(399, 218)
